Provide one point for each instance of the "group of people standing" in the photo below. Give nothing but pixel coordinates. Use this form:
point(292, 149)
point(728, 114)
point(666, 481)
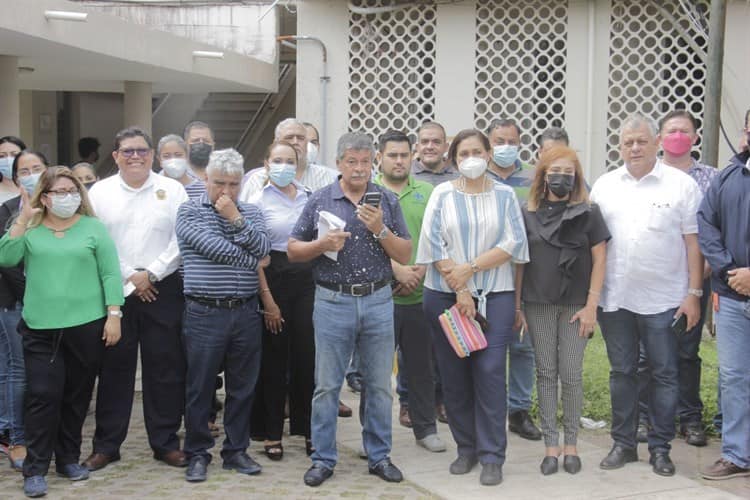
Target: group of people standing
point(279, 277)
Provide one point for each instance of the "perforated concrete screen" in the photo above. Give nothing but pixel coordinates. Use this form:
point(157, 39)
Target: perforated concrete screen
point(391, 69)
point(656, 62)
point(521, 54)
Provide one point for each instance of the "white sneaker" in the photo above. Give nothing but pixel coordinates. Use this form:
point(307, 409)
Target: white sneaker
point(432, 442)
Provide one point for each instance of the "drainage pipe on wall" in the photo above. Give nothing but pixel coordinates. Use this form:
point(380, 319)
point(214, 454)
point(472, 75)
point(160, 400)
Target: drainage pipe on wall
point(324, 79)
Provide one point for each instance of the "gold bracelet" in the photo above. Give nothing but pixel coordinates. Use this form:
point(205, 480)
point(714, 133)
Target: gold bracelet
point(464, 289)
point(262, 290)
point(595, 294)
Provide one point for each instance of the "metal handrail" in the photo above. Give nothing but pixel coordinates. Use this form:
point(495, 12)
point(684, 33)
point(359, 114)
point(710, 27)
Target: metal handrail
point(285, 69)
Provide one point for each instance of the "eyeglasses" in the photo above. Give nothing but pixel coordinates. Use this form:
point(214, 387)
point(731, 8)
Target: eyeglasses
point(63, 192)
point(127, 153)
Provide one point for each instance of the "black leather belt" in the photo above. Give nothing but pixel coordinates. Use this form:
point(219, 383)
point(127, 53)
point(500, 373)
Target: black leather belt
point(225, 303)
point(357, 290)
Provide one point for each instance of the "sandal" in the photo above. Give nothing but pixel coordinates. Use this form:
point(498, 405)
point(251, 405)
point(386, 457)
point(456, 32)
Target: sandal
point(16, 462)
point(309, 447)
point(274, 451)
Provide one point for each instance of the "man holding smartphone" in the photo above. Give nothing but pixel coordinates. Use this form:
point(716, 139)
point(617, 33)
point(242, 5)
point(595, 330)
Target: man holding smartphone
point(654, 275)
point(353, 304)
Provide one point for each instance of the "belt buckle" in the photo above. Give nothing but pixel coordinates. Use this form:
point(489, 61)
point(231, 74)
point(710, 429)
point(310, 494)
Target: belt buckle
point(358, 287)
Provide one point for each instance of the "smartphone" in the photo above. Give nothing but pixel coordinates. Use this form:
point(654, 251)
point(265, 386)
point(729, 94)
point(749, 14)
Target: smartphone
point(679, 325)
point(373, 198)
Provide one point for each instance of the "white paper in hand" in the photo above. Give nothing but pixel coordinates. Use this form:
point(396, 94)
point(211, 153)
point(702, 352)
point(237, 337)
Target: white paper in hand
point(326, 222)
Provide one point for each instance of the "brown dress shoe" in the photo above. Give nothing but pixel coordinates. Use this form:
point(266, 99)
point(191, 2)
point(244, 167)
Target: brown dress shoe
point(344, 411)
point(98, 461)
point(403, 416)
point(175, 458)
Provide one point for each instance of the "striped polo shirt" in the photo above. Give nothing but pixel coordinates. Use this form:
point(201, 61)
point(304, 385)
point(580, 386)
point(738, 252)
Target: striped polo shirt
point(220, 261)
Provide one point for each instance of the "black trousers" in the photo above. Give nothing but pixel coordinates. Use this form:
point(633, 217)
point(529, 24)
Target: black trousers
point(288, 359)
point(61, 366)
point(415, 341)
point(157, 326)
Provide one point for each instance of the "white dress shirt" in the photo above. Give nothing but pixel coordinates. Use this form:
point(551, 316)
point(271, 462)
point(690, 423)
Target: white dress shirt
point(314, 178)
point(647, 265)
point(141, 222)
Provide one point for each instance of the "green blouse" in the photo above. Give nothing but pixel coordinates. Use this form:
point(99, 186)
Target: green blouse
point(71, 280)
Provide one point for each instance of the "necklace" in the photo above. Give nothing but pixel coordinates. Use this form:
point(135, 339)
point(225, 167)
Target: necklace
point(58, 233)
point(462, 185)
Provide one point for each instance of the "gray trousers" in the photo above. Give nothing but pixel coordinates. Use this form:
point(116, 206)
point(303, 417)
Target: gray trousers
point(559, 353)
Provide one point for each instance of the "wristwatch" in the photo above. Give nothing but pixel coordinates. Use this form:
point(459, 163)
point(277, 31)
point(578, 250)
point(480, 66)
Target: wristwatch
point(239, 222)
point(382, 234)
point(151, 276)
point(115, 313)
point(474, 267)
point(695, 291)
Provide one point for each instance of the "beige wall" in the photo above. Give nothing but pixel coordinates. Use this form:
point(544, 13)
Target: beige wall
point(587, 72)
point(39, 122)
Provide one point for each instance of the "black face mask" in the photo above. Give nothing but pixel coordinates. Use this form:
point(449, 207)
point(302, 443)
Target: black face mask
point(199, 154)
point(560, 184)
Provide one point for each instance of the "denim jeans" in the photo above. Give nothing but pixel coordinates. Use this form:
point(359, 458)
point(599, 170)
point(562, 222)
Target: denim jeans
point(520, 373)
point(733, 345)
point(344, 323)
point(689, 403)
point(623, 330)
point(12, 375)
point(214, 337)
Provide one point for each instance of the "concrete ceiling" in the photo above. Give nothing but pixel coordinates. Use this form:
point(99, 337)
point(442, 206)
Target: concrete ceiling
point(105, 51)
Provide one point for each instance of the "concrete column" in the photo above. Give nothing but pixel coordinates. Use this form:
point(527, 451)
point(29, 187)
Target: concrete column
point(10, 118)
point(454, 66)
point(587, 84)
point(137, 105)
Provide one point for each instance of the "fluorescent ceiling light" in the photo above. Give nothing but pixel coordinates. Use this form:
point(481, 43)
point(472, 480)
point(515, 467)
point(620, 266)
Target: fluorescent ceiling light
point(208, 54)
point(62, 15)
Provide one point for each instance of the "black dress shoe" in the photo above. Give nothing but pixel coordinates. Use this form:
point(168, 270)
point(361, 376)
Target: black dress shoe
point(641, 434)
point(694, 434)
point(661, 463)
point(618, 457)
point(549, 466)
point(520, 422)
point(386, 471)
point(572, 464)
point(462, 465)
point(242, 463)
point(317, 474)
point(491, 475)
point(197, 469)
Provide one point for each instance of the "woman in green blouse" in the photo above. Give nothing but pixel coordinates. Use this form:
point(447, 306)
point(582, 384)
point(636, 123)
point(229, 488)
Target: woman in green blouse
point(71, 313)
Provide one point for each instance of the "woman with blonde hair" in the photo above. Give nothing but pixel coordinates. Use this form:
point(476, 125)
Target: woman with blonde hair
point(557, 292)
point(71, 313)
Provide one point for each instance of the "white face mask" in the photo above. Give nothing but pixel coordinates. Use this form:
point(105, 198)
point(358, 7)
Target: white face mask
point(175, 167)
point(472, 167)
point(65, 205)
point(312, 152)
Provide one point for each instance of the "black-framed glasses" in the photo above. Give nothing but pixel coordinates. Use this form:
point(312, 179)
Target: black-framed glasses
point(128, 152)
point(63, 192)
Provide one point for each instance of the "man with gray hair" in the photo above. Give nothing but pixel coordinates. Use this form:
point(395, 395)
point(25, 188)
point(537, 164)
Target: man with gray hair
point(223, 243)
point(353, 304)
point(651, 288)
point(310, 175)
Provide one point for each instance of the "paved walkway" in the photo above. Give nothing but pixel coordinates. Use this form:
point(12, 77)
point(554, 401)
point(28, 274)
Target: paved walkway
point(138, 476)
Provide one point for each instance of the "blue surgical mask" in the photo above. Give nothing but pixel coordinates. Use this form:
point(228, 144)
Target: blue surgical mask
point(505, 156)
point(66, 205)
point(6, 167)
point(282, 174)
point(29, 182)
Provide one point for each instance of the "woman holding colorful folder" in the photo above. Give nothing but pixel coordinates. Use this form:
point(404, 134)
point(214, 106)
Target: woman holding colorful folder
point(471, 236)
